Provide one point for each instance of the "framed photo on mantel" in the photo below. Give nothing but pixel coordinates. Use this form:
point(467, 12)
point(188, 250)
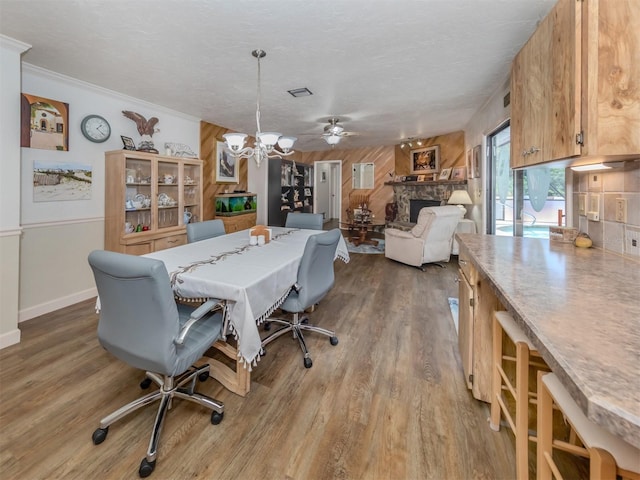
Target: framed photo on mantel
point(425, 160)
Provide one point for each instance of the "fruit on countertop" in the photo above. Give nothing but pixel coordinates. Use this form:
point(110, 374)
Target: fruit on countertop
point(583, 240)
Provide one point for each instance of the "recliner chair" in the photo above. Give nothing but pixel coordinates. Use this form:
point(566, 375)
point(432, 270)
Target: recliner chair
point(202, 230)
point(429, 241)
point(315, 279)
point(142, 325)
point(311, 221)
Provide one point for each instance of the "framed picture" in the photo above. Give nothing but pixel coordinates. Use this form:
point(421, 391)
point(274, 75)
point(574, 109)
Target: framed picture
point(128, 143)
point(469, 163)
point(422, 178)
point(44, 123)
point(459, 173)
point(476, 161)
point(226, 165)
point(425, 160)
point(444, 174)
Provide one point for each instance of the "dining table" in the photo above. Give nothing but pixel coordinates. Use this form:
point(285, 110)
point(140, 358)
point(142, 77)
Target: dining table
point(251, 280)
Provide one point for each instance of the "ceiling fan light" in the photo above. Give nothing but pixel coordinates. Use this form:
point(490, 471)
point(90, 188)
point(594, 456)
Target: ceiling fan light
point(332, 139)
point(269, 139)
point(235, 141)
point(286, 143)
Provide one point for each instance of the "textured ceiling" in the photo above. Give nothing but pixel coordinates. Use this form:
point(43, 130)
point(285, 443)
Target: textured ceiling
point(388, 69)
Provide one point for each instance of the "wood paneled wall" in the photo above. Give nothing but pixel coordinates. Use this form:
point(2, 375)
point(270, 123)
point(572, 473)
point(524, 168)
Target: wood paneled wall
point(388, 160)
point(451, 152)
point(209, 135)
point(384, 160)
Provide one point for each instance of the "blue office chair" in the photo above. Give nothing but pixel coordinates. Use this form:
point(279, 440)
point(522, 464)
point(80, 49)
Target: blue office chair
point(315, 279)
point(311, 221)
point(141, 324)
point(202, 230)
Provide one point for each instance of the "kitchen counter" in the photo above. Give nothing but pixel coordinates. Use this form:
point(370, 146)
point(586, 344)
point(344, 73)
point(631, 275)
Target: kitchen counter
point(581, 309)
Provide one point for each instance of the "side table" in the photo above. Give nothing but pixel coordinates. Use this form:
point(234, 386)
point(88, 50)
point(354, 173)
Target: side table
point(464, 226)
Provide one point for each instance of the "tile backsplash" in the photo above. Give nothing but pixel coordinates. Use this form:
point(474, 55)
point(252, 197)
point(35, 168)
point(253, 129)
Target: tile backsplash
point(607, 232)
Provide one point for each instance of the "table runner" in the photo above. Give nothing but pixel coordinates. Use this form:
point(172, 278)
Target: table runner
point(253, 279)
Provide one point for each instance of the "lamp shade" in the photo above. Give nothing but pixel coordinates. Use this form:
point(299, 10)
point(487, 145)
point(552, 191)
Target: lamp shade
point(332, 139)
point(286, 143)
point(235, 141)
point(269, 139)
point(459, 197)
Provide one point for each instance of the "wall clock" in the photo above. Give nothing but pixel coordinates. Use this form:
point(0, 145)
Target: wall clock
point(95, 128)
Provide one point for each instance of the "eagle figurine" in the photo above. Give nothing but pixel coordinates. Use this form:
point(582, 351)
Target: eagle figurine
point(146, 129)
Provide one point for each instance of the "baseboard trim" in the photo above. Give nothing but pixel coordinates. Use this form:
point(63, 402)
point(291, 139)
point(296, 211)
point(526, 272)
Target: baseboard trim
point(10, 338)
point(57, 304)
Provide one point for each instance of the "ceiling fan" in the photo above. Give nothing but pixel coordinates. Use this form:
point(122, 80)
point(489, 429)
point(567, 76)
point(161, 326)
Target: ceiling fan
point(333, 132)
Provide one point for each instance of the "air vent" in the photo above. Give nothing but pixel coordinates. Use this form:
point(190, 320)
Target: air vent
point(300, 92)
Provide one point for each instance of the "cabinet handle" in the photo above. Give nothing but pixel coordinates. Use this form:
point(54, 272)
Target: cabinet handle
point(461, 261)
point(533, 150)
point(456, 280)
point(172, 241)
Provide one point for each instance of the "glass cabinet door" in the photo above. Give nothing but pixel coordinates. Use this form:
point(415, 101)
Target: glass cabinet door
point(138, 213)
point(168, 195)
point(191, 200)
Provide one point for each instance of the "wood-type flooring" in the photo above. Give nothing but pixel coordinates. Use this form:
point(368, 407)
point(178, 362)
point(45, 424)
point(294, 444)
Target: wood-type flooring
point(388, 402)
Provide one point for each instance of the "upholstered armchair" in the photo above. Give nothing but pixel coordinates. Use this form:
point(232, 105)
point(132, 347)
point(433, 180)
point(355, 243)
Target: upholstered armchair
point(429, 241)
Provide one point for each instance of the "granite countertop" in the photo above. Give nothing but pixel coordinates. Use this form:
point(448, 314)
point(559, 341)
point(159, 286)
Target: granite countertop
point(581, 309)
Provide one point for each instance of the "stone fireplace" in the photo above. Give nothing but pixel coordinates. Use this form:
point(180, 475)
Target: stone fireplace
point(436, 193)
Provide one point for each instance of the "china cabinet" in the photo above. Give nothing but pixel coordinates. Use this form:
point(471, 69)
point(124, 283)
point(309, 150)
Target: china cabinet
point(573, 85)
point(149, 199)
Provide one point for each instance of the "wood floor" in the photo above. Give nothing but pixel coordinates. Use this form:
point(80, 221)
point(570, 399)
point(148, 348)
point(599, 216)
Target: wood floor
point(388, 402)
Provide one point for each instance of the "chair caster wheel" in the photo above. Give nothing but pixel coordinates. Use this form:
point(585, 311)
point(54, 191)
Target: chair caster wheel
point(99, 435)
point(146, 383)
point(146, 468)
point(203, 376)
point(307, 363)
point(333, 340)
point(267, 326)
point(216, 417)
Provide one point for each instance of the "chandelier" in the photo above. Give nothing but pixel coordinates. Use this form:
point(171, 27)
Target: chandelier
point(265, 143)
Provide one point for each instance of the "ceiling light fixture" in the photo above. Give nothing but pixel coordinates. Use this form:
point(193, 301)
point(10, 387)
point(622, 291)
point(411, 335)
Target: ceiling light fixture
point(332, 139)
point(597, 166)
point(410, 141)
point(265, 143)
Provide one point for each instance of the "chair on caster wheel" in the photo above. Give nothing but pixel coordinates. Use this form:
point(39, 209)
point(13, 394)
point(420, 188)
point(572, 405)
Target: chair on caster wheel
point(142, 325)
point(315, 279)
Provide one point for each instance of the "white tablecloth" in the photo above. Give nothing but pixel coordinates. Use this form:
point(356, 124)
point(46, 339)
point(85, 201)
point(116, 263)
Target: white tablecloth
point(254, 280)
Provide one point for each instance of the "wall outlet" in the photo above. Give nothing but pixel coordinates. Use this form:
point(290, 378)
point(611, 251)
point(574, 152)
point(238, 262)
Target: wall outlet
point(632, 241)
point(621, 210)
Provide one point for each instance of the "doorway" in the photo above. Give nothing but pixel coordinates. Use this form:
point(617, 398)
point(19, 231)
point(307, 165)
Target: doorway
point(499, 181)
point(327, 190)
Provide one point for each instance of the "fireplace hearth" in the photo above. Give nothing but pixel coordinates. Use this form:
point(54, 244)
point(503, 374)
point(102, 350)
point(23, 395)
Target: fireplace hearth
point(432, 193)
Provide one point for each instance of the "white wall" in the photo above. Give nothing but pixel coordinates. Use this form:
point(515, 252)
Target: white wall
point(492, 114)
point(59, 235)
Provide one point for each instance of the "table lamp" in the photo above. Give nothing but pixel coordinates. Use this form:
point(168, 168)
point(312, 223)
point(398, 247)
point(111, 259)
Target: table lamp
point(460, 198)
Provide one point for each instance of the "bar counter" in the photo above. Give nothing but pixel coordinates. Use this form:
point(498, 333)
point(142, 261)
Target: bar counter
point(581, 309)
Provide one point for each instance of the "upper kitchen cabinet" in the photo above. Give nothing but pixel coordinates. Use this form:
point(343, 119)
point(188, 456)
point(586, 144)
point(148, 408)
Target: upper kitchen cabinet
point(575, 85)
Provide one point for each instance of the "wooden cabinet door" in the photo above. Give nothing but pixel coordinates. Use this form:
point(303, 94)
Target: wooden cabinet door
point(485, 304)
point(545, 90)
point(611, 77)
point(465, 326)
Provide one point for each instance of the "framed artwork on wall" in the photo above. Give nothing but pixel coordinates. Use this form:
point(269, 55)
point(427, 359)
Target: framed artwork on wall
point(469, 163)
point(476, 163)
point(44, 123)
point(425, 160)
point(226, 165)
